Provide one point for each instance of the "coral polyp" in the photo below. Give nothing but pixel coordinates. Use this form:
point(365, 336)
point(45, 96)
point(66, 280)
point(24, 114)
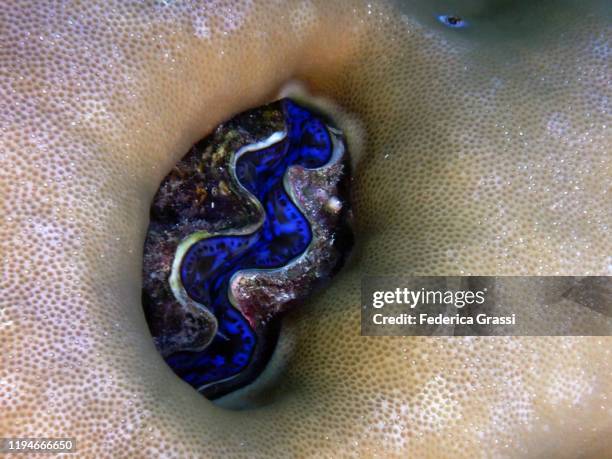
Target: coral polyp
point(250, 222)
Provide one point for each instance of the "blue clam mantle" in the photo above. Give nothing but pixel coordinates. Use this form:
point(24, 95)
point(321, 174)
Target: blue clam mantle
point(293, 180)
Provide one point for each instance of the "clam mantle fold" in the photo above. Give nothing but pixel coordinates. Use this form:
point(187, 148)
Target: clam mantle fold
point(245, 226)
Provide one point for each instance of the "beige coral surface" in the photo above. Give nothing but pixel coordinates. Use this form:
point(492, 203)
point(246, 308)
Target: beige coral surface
point(485, 150)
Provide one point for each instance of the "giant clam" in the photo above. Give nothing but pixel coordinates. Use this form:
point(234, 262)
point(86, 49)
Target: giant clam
point(251, 220)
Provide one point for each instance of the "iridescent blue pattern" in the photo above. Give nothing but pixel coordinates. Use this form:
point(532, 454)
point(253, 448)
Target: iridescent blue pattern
point(209, 264)
point(451, 21)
